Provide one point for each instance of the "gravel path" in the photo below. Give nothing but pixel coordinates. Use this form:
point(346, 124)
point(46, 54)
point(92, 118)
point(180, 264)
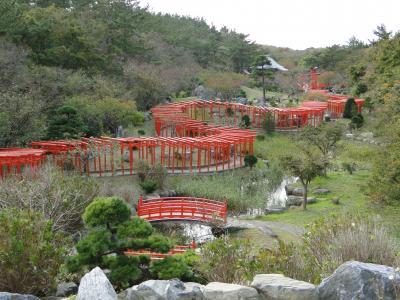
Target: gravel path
point(269, 228)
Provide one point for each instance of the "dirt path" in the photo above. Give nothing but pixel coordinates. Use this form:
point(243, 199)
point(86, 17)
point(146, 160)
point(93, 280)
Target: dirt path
point(268, 229)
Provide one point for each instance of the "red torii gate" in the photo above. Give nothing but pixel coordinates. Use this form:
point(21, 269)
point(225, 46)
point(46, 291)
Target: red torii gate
point(15, 160)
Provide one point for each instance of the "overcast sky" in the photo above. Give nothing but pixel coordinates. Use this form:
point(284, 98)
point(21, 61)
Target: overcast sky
point(297, 24)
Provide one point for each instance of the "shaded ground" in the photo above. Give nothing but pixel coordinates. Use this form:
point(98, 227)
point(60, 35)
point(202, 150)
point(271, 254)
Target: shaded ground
point(265, 234)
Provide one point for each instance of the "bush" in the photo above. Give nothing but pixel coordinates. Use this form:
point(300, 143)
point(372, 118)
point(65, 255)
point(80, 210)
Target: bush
point(246, 121)
point(269, 123)
point(329, 242)
point(171, 267)
point(148, 186)
point(61, 198)
point(349, 108)
point(110, 232)
point(228, 260)
point(260, 137)
point(157, 173)
point(30, 253)
point(358, 120)
point(141, 132)
point(250, 160)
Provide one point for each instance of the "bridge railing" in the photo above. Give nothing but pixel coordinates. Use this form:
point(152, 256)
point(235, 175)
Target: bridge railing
point(182, 208)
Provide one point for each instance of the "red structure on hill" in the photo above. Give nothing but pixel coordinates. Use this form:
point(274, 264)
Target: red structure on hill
point(185, 142)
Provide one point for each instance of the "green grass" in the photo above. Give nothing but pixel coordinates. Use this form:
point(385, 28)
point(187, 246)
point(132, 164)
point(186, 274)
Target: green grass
point(351, 191)
point(347, 187)
point(273, 146)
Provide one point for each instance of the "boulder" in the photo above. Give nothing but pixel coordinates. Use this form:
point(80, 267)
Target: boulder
point(227, 291)
point(66, 289)
point(289, 189)
point(321, 191)
point(335, 200)
point(367, 135)
point(279, 287)
point(12, 296)
point(298, 200)
point(167, 193)
point(95, 285)
point(298, 192)
point(164, 290)
point(357, 280)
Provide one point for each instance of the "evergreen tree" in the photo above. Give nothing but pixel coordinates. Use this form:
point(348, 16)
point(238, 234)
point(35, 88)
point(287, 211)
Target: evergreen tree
point(349, 108)
point(66, 124)
point(111, 232)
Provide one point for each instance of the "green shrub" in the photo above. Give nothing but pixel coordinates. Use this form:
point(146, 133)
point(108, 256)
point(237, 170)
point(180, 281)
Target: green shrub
point(171, 267)
point(148, 186)
point(110, 232)
point(357, 120)
point(141, 132)
point(61, 197)
point(328, 243)
point(260, 137)
point(246, 121)
point(228, 260)
point(30, 253)
point(250, 160)
point(349, 108)
point(229, 111)
point(269, 123)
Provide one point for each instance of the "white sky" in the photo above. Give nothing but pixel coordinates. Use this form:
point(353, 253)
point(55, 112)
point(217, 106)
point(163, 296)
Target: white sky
point(297, 24)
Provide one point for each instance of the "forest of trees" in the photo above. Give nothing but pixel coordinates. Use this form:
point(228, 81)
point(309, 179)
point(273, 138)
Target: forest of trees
point(57, 53)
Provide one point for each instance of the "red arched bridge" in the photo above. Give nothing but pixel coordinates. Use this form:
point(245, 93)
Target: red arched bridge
point(182, 209)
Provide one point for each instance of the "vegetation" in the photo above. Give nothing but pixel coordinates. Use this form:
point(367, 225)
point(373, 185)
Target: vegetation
point(111, 230)
point(329, 242)
point(228, 260)
point(306, 165)
point(31, 253)
point(61, 199)
point(250, 160)
point(349, 108)
point(242, 189)
point(325, 138)
point(269, 123)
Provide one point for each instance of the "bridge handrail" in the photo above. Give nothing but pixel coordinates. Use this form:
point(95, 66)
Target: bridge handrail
point(188, 208)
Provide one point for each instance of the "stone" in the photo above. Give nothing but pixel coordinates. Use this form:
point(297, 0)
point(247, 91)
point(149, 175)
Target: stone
point(227, 291)
point(298, 200)
point(12, 296)
point(66, 289)
point(289, 189)
point(349, 135)
point(357, 280)
point(367, 135)
point(335, 200)
point(167, 193)
point(298, 192)
point(321, 191)
point(279, 287)
point(151, 196)
point(164, 290)
point(95, 285)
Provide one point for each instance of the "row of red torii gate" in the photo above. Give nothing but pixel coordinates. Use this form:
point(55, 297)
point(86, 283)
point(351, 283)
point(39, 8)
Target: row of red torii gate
point(192, 136)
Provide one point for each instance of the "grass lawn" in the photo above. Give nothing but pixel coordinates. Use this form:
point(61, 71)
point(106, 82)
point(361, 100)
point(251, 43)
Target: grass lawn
point(350, 190)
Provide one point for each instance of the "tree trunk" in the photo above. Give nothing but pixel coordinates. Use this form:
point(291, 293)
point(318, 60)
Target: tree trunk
point(305, 188)
point(263, 86)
